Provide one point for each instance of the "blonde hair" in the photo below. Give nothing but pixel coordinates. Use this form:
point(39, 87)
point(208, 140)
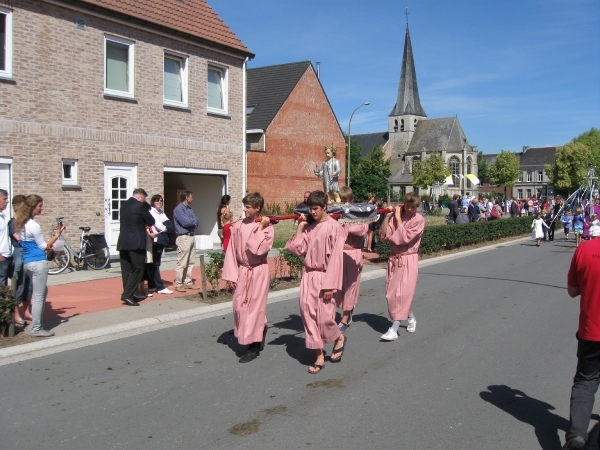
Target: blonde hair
point(24, 212)
point(346, 194)
point(332, 148)
point(412, 198)
point(226, 217)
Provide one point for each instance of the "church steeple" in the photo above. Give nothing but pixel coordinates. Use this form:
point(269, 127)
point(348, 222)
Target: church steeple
point(408, 93)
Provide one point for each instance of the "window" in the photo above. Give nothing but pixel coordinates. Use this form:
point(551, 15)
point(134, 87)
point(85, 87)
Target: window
point(250, 109)
point(175, 80)
point(401, 124)
point(528, 193)
point(5, 43)
point(454, 166)
point(69, 172)
point(521, 176)
point(118, 67)
point(217, 89)
point(520, 194)
point(540, 175)
point(529, 176)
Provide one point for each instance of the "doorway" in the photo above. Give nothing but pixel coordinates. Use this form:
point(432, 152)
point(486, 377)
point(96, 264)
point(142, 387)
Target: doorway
point(119, 183)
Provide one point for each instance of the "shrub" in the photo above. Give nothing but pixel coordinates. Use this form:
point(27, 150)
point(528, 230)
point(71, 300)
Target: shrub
point(271, 209)
point(7, 305)
point(443, 199)
point(294, 264)
point(214, 270)
point(448, 237)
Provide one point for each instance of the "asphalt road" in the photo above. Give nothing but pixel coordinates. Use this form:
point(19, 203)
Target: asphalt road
point(489, 367)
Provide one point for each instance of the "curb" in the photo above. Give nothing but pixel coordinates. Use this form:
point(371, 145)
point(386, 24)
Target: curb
point(23, 352)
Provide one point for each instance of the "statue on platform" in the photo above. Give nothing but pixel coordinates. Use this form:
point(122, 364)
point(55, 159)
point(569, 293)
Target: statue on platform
point(330, 171)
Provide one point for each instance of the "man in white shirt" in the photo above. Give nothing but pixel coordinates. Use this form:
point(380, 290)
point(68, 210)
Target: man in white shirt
point(5, 246)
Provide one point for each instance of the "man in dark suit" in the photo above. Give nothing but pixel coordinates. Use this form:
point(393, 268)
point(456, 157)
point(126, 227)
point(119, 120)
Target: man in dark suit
point(134, 217)
point(453, 207)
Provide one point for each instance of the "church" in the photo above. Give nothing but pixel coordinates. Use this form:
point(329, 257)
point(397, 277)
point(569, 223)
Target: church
point(412, 136)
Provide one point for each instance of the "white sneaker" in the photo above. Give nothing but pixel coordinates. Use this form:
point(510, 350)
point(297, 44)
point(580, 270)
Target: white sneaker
point(165, 291)
point(390, 335)
point(343, 327)
point(412, 325)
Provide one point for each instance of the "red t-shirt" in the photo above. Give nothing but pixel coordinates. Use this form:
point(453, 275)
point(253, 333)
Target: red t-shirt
point(584, 274)
point(226, 235)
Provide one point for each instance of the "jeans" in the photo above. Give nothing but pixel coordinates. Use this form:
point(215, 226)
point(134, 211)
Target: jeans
point(5, 266)
point(38, 272)
point(585, 385)
point(23, 289)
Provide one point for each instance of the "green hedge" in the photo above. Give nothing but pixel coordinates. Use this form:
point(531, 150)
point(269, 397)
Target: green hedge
point(448, 237)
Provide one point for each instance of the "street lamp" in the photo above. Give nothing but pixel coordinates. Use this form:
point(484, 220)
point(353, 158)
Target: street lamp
point(349, 157)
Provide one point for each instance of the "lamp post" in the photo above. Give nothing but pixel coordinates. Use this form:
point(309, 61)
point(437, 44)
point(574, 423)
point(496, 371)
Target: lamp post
point(349, 151)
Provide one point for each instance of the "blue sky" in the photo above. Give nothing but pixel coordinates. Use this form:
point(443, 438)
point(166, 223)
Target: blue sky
point(517, 73)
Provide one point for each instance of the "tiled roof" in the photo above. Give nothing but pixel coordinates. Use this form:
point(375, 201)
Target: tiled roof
point(192, 17)
point(538, 156)
point(436, 135)
point(367, 142)
point(268, 88)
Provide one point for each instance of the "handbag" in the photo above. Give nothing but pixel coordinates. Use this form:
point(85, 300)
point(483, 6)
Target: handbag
point(495, 213)
point(169, 226)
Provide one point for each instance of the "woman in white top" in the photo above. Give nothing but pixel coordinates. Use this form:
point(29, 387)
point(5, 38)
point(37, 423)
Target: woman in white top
point(34, 258)
point(537, 226)
point(157, 248)
point(594, 226)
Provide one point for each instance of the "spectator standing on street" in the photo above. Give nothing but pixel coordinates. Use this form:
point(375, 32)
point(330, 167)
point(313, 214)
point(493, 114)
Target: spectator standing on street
point(584, 280)
point(134, 218)
point(514, 208)
point(6, 255)
point(23, 288)
point(185, 222)
point(473, 210)
point(453, 207)
point(223, 208)
point(34, 258)
point(160, 242)
point(463, 216)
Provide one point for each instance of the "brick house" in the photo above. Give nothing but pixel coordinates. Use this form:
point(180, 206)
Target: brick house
point(289, 123)
point(98, 97)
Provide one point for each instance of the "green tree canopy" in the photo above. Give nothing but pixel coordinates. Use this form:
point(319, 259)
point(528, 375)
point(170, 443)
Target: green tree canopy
point(355, 159)
point(429, 171)
point(483, 171)
point(505, 170)
point(371, 175)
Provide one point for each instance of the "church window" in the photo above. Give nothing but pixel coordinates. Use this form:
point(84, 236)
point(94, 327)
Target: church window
point(454, 166)
point(396, 125)
point(401, 124)
point(415, 123)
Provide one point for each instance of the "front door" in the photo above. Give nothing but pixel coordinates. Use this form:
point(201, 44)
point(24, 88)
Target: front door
point(119, 183)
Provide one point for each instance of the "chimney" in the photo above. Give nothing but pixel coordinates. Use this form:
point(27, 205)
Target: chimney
point(318, 70)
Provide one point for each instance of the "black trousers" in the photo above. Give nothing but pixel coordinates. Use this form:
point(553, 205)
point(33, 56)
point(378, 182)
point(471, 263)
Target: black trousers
point(585, 385)
point(133, 264)
point(156, 281)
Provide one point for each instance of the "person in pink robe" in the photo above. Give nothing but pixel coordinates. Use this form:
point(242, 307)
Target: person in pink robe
point(322, 245)
point(246, 270)
point(403, 229)
point(347, 298)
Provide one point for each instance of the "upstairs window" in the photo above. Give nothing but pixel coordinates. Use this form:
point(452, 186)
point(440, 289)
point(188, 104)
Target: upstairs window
point(5, 43)
point(521, 176)
point(175, 80)
point(529, 177)
point(540, 175)
point(217, 89)
point(69, 172)
point(118, 67)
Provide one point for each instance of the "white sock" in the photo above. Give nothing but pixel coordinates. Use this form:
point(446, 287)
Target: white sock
point(411, 316)
point(396, 325)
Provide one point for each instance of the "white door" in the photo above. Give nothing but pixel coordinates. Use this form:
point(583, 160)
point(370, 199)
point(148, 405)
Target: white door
point(119, 183)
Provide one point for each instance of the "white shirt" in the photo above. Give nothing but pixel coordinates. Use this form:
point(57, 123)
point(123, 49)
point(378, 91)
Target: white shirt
point(159, 218)
point(5, 245)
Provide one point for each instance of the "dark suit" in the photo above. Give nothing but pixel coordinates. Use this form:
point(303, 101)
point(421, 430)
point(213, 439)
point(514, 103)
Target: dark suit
point(135, 215)
point(454, 209)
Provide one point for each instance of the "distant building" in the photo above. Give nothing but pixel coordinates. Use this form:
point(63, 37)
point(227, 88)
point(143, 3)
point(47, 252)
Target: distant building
point(411, 137)
point(289, 122)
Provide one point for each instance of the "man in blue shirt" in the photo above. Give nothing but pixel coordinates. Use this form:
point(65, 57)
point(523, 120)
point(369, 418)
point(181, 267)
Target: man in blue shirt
point(185, 223)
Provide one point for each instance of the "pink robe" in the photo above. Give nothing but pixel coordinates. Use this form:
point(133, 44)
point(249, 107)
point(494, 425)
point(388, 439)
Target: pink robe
point(403, 266)
point(322, 243)
point(246, 264)
point(353, 264)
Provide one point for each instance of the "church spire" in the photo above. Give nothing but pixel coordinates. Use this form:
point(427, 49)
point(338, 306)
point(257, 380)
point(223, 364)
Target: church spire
point(408, 94)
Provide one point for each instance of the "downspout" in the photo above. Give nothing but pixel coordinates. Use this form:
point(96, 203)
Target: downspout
point(244, 152)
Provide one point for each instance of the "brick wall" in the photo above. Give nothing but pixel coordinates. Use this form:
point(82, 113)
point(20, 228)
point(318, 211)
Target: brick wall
point(295, 145)
point(56, 109)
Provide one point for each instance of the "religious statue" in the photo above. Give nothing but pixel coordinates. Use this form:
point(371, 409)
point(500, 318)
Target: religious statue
point(330, 171)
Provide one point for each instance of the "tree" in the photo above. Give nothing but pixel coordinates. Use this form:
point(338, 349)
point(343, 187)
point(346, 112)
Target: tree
point(429, 171)
point(505, 170)
point(355, 158)
point(371, 175)
point(483, 171)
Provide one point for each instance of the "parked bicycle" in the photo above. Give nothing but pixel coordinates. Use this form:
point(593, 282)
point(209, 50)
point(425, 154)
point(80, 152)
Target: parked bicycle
point(93, 252)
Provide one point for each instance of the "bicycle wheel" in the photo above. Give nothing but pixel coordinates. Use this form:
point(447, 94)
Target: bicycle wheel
point(59, 262)
point(95, 259)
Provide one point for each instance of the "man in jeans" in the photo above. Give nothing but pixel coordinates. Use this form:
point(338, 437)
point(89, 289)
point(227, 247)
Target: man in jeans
point(584, 280)
point(5, 247)
point(185, 223)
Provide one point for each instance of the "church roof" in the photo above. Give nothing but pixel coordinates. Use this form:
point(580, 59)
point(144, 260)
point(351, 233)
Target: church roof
point(538, 156)
point(367, 142)
point(437, 135)
point(267, 90)
point(408, 93)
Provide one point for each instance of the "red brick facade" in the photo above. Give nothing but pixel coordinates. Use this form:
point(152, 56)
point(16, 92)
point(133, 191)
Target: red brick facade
point(295, 145)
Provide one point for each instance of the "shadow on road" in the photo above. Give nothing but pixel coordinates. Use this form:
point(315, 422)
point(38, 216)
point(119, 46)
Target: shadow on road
point(422, 272)
point(294, 344)
point(231, 341)
point(528, 410)
point(376, 322)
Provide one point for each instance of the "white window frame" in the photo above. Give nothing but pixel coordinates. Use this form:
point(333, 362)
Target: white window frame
point(529, 177)
point(520, 194)
point(184, 79)
point(73, 180)
point(224, 85)
point(8, 51)
point(130, 67)
point(528, 193)
point(540, 176)
point(520, 177)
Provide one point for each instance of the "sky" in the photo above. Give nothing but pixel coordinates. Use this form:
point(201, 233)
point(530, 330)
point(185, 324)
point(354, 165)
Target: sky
point(515, 72)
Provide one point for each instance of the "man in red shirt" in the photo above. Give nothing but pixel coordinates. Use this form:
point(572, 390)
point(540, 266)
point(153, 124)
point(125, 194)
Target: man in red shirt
point(584, 280)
